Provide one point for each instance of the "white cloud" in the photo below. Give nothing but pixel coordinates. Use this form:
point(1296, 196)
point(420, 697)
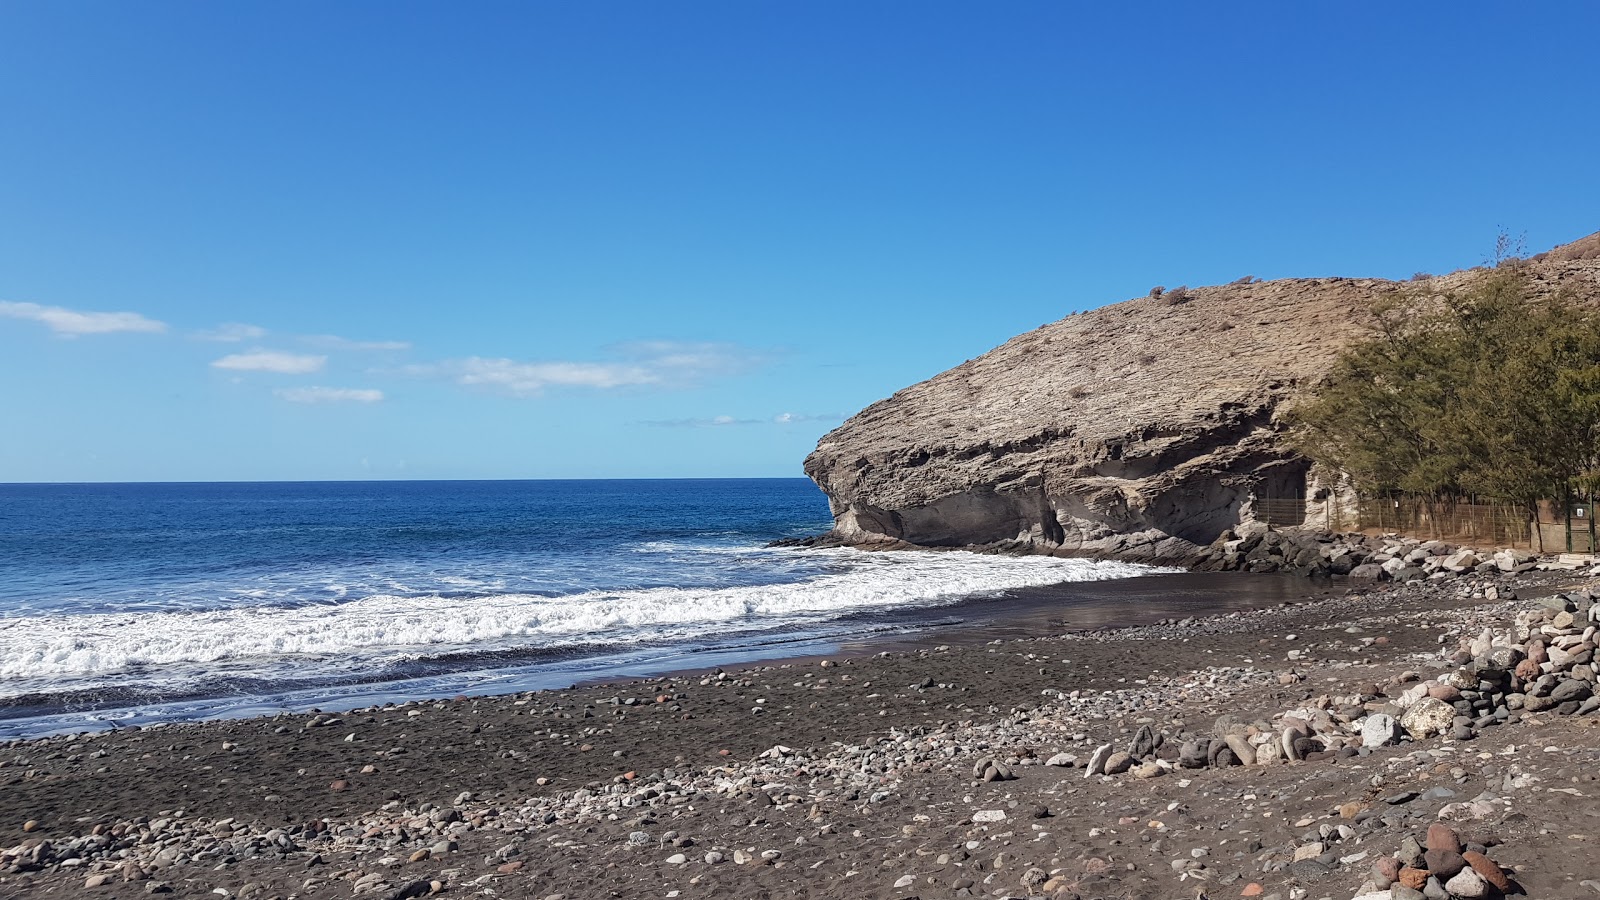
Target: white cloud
point(720, 421)
point(330, 395)
point(71, 323)
point(231, 333)
point(334, 342)
point(272, 361)
point(713, 422)
point(648, 364)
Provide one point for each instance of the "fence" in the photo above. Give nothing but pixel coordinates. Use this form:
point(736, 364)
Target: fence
point(1457, 521)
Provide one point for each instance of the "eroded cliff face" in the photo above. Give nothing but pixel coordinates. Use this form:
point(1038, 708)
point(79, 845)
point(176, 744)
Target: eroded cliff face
point(1142, 429)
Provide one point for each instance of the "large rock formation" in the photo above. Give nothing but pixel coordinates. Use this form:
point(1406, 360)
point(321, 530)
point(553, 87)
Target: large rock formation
point(1142, 429)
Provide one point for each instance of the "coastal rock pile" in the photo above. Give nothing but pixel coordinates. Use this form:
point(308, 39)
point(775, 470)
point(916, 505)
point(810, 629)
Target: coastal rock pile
point(1256, 547)
point(1441, 866)
point(1545, 660)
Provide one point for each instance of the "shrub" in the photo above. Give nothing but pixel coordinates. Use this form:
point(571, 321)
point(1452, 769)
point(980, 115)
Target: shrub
point(1178, 295)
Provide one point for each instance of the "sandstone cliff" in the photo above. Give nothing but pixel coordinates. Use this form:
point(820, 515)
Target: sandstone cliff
point(1142, 429)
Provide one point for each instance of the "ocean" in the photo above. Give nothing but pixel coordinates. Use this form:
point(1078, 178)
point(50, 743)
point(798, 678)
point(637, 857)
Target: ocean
point(141, 603)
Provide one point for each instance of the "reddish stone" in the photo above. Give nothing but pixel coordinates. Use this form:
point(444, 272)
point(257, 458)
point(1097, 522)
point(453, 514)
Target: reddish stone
point(1251, 890)
point(1489, 870)
point(339, 785)
point(1442, 837)
point(1448, 693)
point(1527, 670)
point(1413, 878)
point(510, 867)
point(1387, 868)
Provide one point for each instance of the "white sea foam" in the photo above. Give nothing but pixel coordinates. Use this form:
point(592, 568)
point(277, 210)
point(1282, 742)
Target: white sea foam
point(46, 651)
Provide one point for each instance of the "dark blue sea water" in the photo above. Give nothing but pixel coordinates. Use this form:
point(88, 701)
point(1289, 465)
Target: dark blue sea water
point(151, 602)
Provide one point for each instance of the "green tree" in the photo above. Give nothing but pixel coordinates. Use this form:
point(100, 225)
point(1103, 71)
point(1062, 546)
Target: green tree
point(1482, 390)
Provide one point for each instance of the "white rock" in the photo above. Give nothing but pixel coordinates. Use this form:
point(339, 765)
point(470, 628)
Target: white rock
point(989, 815)
point(1379, 730)
point(1428, 717)
point(1467, 884)
point(1097, 761)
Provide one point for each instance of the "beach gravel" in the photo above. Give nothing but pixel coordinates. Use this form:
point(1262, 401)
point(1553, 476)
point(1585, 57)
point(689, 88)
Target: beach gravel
point(1215, 766)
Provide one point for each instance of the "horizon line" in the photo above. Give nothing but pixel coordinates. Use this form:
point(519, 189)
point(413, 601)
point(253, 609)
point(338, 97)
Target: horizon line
point(411, 480)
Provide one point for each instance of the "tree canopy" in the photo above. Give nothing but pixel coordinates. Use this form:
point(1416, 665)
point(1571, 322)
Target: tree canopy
point(1483, 389)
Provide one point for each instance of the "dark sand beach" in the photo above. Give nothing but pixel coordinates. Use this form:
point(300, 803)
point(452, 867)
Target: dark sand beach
point(846, 776)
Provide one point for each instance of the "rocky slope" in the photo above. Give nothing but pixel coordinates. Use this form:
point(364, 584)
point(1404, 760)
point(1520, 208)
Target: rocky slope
point(1143, 429)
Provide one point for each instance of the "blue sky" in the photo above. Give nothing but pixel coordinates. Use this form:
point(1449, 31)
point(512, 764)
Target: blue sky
point(300, 240)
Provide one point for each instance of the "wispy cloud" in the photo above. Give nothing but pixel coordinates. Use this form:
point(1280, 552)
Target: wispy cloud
point(713, 422)
point(72, 323)
point(723, 421)
point(334, 342)
point(272, 361)
point(645, 364)
point(330, 395)
point(231, 333)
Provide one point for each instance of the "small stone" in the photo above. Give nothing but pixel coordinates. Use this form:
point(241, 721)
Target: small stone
point(1467, 884)
point(339, 785)
point(988, 815)
point(94, 881)
point(713, 858)
point(1253, 889)
point(1488, 870)
point(1117, 763)
point(1379, 730)
point(1149, 770)
point(905, 881)
point(1428, 717)
point(30, 825)
point(1413, 878)
point(1063, 760)
point(677, 859)
point(1143, 743)
point(1442, 837)
point(1097, 761)
point(1444, 863)
point(1410, 853)
point(510, 867)
point(1309, 851)
point(419, 856)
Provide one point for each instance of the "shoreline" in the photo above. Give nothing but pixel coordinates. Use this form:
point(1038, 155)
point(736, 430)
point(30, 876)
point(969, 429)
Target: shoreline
point(847, 770)
point(1016, 612)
